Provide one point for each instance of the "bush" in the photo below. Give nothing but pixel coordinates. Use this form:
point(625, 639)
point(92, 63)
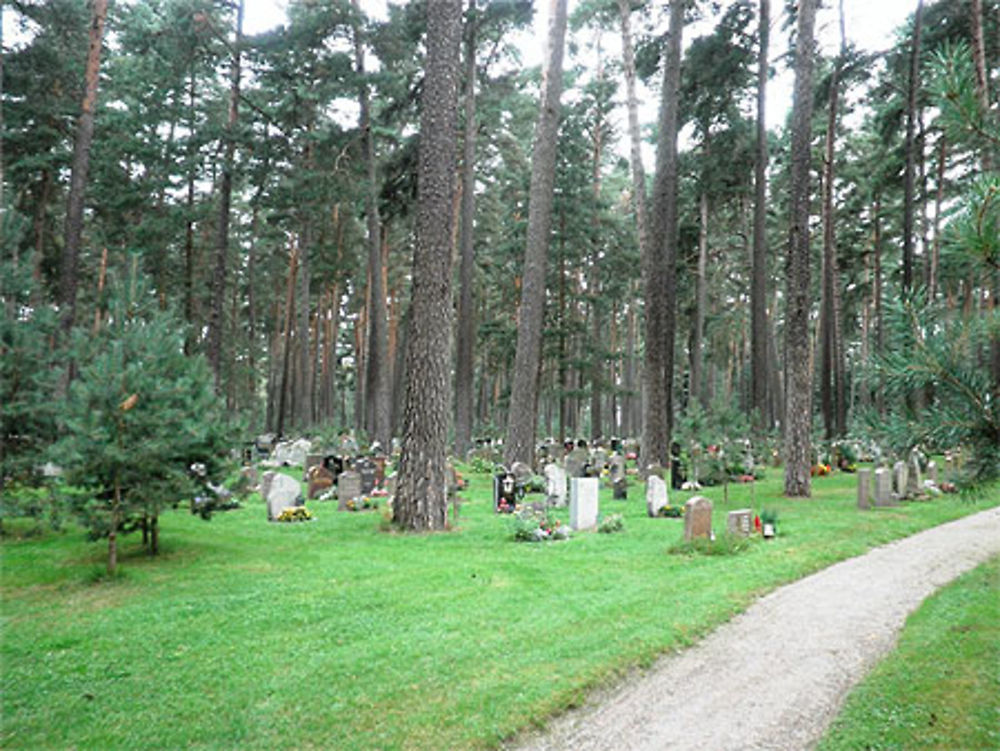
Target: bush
point(611, 524)
point(725, 544)
point(534, 524)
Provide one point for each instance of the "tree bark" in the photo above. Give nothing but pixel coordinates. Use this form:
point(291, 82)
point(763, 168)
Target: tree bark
point(466, 331)
point(73, 231)
point(798, 366)
point(911, 149)
point(421, 500)
point(216, 319)
point(378, 371)
point(758, 285)
point(521, 418)
point(286, 346)
point(697, 390)
point(659, 271)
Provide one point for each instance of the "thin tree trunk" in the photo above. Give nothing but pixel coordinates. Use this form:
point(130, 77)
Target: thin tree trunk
point(378, 398)
point(116, 505)
point(877, 294)
point(697, 390)
point(189, 263)
point(932, 274)
point(521, 417)
point(465, 348)
point(760, 332)
point(798, 383)
point(73, 233)
point(911, 148)
point(287, 340)
point(421, 500)
point(216, 321)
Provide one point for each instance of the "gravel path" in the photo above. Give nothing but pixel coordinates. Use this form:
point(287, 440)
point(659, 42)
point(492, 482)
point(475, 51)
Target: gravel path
point(776, 676)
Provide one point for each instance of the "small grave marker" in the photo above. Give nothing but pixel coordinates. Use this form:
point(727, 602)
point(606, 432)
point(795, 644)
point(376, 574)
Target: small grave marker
point(739, 522)
point(656, 494)
point(864, 484)
point(697, 518)
point(348, 488)
point(583, 502)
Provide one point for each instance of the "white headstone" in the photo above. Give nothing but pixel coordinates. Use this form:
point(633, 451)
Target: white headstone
point(738, 523)
point(555, 484)
point(656, 494)
point(283, 492)
point(583, 502)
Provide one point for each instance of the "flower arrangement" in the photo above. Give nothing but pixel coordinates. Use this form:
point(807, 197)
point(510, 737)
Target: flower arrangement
point(295, 514)
point(532, 524)
point(820, 470)
point(673, 512)
point(362, 503)
point(611, 524)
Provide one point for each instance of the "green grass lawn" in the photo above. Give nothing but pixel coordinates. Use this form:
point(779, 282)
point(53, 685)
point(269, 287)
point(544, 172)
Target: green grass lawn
point(940, 689)
point(335, 634)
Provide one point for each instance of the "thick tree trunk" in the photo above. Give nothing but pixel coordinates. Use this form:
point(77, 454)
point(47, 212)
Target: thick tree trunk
point(659, 270)
point(521, 418)
point(758, 285)
point(421, 501)
point(73, 232)
point(466, 332)
point(911, 149)
point(798, 366)
point(302, 400)
point(216, 321)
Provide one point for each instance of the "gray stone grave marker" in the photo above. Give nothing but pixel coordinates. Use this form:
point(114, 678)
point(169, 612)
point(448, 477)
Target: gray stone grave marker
point(899, 479)
point(583, 502)
point(555, 484)
point(348, 488)
point(656, 494)
point(697, 518)
point(577, 461)
point(932, 471)
point(883, 487)
point(864, 484)
point(914, 483)
point(739, 522)
point(283, 492)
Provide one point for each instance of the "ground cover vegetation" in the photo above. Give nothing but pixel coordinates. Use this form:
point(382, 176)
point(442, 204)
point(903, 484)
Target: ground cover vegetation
point(333, 633)
point(938, 689)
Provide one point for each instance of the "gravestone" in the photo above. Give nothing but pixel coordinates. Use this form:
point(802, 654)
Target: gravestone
point(282, 492)
point(914, 483)
point(577, 462)
point(583, 502)
point(319, 478)
point(697, 518)
point(555, 485)
point(264, 443)
point(932, 471)
point(312, 460)
point(292, 453)
point(883, 487)
point(656, 494)
point(739, 522)
point(864, 484)
point(348, 488)
point(505, 492)
point(366, 471)
point(265, 483)
point(619, 489)
point(617, 472)
point(522, 473)
point(598, 461)
point(899, 477)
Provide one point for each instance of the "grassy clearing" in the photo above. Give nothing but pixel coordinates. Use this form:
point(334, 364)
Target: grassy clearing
point(940, 689)
point(334, 634)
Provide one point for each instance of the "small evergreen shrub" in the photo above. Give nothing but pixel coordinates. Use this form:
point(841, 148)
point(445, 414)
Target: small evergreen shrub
point(611, 524)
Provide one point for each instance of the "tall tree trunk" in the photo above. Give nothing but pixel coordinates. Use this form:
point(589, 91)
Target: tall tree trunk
point(877, 295)
point(466, 332)
point(911, 149)
point(798, 382)
point(189, 262)
point(697, 390)
point(421, 501)
point(594, 287)
point(932, 274)
point(73, 232)
point(216, 321)
point(286, 347)
point(378, 372)
point(521, 418)
point(760, 332)
point(302, 401)
point(659, 271)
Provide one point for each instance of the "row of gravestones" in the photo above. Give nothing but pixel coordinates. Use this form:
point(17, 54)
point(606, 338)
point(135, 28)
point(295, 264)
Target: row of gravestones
point(903, 481)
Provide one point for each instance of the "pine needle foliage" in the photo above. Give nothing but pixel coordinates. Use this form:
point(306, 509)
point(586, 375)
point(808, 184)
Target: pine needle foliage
point(137, 416)
point(941, 355)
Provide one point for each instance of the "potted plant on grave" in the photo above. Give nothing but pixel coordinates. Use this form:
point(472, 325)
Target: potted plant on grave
point(769, 522)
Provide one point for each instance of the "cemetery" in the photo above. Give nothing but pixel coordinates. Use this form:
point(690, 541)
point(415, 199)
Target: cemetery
point(239, 618)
